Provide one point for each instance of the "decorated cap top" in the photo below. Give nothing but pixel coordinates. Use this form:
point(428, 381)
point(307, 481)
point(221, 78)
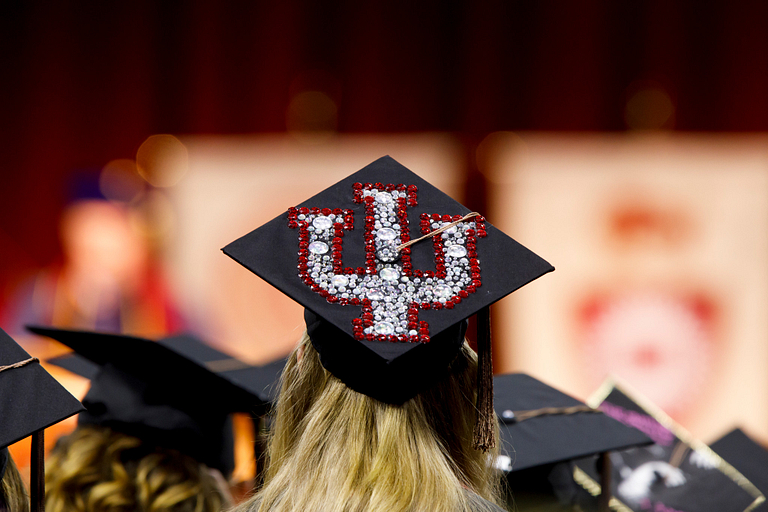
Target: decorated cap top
point(386, 318)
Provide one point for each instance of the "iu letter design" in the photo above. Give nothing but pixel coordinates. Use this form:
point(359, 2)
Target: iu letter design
point(388, 289)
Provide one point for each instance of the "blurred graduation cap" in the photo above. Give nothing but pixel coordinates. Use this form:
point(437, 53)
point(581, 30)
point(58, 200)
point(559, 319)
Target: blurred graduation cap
point(261, 380)
point(677, 472)
point(748, 457)
point(541, 426)
point(386, 317)
point(30, 401)
point(176, 393)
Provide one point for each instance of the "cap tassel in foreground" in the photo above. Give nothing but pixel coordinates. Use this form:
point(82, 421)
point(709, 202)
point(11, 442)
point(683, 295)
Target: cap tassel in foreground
point(37, 470)
point(484, 435)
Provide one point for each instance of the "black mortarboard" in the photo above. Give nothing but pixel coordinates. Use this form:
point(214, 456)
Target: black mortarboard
point(164, 392)
point(677, 472)
point(541, 427)
point(261, 380)
point(387, 323)
point(748, 457)
point(30, 401)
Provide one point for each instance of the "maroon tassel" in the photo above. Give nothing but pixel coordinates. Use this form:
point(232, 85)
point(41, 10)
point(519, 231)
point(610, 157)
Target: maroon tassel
point(484, 435)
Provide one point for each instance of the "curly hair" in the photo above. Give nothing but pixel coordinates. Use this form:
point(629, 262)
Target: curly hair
point(95, 469)
point(13, 494)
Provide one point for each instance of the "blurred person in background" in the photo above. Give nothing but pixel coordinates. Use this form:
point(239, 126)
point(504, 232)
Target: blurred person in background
point(108, 278)
point(157, 434)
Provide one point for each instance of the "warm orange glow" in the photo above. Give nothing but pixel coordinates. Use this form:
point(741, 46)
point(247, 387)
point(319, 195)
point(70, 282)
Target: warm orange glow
point(162, 160)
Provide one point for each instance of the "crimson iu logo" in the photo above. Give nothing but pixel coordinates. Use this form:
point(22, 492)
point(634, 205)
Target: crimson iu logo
point(389, 290)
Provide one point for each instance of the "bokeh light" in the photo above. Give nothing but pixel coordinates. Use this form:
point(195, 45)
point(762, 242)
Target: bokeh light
point(162, 160)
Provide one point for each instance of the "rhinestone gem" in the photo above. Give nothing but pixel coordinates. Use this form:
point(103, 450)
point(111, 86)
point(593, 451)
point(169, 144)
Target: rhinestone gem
point(384, 198)
point(375, 294)
point(456, 251)
point(442, 290)
point(387, 254)
point(322, 222)
point(386, 234)
point(318, 247)
point(389, 274)
point(384, 328)
point(339, 281)
point(451, 230)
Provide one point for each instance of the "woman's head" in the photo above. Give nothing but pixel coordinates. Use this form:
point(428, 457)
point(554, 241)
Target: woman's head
point(95, 469)
point(359, 453)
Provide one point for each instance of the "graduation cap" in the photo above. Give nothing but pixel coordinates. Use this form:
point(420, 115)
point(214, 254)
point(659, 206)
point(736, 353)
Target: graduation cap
point(167, 392)
point(541, 426)
point(387, 268)
point(677, 472)
point(261, 380)
point(30, 401)
point(748, 457)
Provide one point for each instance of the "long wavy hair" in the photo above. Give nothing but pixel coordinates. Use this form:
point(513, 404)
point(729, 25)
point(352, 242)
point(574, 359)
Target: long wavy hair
point(13, 494)
point(95, 469)
point(333, 449)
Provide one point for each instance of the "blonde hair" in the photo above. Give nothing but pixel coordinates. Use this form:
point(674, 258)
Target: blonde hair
point(13, 494)
point(95, 469)
point(333, 449)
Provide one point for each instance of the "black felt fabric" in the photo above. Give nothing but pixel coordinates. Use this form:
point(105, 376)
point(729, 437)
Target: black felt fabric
point(163, 392)
point(260, 381)
point(124, 403)
point(271, 252)
point(344, 357)
point(748, 457)
point(3, 461)
point(30, 399)
point(553, 438)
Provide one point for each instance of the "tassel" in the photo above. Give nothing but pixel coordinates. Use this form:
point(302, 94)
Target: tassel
point(484, 434)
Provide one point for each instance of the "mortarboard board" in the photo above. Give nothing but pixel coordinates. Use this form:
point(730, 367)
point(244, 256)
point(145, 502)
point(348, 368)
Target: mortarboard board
point(748, 457)
point(387, 320)
point(261, 380)
point(30, 401)
point(677, 472)
point(163, 392)
point(541, 426)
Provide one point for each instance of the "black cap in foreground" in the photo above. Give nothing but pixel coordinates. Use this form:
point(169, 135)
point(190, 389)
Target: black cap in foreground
point(541, 425)
point(168, 393)
point(748, 457)
point(386, 319)
point(30, 399)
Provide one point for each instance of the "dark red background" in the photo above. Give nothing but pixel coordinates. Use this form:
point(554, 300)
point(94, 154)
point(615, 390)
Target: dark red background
point(86, 82)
